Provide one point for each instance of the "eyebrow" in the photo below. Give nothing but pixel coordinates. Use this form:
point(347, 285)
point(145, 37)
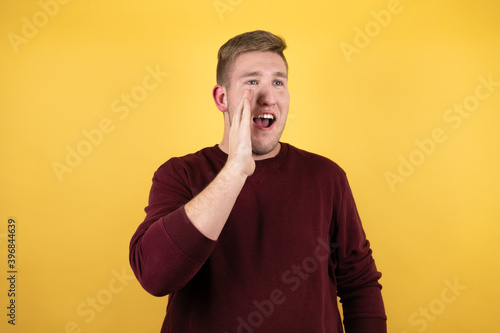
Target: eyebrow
point(278, 74)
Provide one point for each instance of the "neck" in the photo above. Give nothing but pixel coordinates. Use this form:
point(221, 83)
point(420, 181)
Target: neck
point(224, 146)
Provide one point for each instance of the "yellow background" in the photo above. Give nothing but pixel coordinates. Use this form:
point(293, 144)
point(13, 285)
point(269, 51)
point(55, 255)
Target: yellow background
point(364, 110)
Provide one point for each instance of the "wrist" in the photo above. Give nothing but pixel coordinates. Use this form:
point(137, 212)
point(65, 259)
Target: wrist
point(233, 171)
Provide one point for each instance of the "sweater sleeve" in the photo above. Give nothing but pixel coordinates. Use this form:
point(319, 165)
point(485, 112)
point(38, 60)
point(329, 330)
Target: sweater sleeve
point(356, 273)
point(167, 250)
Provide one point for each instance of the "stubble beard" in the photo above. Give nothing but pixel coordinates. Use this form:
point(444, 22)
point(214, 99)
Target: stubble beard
point(259, 149)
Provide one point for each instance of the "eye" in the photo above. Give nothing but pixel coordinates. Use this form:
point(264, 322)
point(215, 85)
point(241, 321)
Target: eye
point(278, 83)
point(252, 82)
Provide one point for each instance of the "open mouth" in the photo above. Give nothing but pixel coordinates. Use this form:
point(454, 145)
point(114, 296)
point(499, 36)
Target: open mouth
point(264, 120)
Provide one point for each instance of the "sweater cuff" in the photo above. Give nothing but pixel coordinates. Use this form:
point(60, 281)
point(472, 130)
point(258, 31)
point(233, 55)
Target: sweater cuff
point(364, 325)
point(187, 237)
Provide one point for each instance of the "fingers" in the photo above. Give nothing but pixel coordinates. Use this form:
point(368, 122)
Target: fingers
point(248, 94)
point(237, 113)
point(246, 112)
point(243, 112)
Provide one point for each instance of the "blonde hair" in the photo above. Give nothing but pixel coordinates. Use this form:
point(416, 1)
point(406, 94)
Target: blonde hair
point(247, 42)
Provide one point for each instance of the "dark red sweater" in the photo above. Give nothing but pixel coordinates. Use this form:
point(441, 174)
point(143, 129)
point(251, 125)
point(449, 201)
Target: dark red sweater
point(292, 243)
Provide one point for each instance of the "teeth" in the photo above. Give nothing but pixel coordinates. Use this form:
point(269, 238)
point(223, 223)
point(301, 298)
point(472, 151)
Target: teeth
point(266, 116)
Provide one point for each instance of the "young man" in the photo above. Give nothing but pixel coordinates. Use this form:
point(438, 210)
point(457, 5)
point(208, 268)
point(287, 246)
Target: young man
point(255, 235)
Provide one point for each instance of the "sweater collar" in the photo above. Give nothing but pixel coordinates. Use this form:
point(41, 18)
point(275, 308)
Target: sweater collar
point(261, 163)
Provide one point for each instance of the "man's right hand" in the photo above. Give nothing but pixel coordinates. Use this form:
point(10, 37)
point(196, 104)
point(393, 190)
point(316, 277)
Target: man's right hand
point(240, 142)
point(209, 210)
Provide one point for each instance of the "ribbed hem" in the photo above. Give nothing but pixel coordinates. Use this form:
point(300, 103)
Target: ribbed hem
point(364, 325)
point(276, 159)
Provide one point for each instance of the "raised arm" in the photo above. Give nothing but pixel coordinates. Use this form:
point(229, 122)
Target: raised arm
point(180, 232)
point(209, 210)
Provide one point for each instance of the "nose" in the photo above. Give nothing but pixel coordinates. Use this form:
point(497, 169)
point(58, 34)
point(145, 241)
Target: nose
point(265, 95)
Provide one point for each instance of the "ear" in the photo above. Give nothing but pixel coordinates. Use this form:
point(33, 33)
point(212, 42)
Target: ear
point(219, 94)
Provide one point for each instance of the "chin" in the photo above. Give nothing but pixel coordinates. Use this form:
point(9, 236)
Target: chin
point(260, 149)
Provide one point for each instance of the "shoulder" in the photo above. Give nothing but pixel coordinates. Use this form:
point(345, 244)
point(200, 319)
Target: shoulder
point(314, 161)
point(317, 171)
point(206, 157)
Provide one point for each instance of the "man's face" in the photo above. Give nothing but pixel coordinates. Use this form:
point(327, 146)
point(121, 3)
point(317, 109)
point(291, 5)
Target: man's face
point(265, 73)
